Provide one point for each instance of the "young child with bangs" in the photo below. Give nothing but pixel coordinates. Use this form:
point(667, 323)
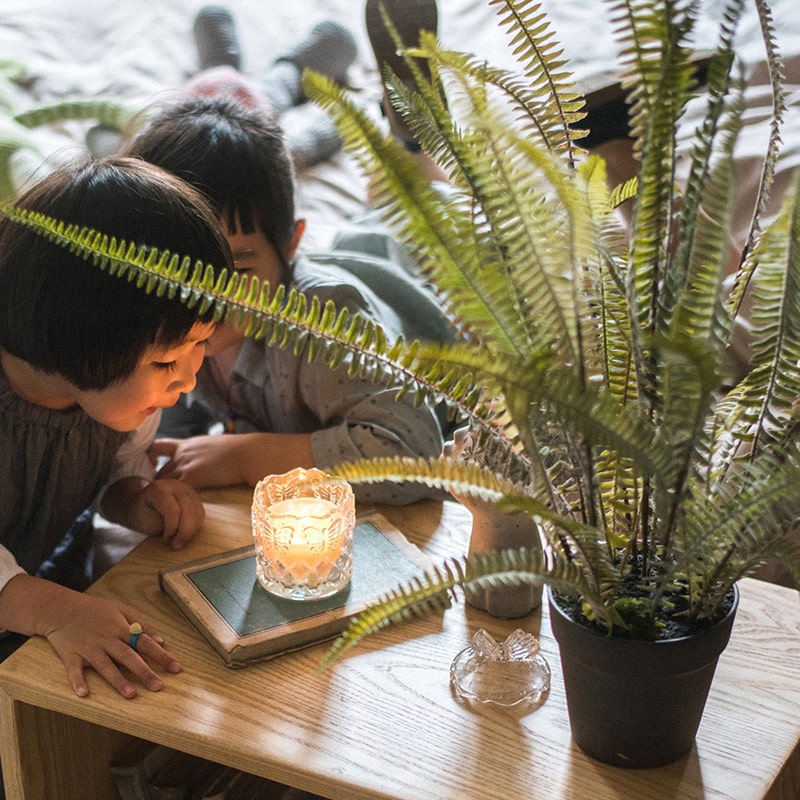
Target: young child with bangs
point(87, 363)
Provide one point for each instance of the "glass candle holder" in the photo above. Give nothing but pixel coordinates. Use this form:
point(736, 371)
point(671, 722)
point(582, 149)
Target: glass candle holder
point(303, 525)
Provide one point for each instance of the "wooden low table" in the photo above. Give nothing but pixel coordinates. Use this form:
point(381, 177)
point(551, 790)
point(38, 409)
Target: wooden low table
point(382, 722)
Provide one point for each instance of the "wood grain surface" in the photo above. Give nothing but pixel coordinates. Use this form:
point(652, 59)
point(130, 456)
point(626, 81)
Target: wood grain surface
point(382, 722)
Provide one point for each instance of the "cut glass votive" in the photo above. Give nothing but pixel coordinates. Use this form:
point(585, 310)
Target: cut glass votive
point(303, 525)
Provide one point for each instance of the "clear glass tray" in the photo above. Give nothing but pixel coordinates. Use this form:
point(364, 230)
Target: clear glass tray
point(511, 675)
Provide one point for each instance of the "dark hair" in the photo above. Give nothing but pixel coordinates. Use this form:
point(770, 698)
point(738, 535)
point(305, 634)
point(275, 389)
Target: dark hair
point(236, 156)
point(64, 315)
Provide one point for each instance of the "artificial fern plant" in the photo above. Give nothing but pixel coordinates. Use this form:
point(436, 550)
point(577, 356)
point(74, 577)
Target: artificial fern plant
point(593, 368)
point(606, 409)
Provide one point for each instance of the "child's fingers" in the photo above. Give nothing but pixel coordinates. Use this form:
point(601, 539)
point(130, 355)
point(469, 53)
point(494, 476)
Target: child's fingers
point(182, 515)
point(150, 646)
point(105, 667)
point(164, 447)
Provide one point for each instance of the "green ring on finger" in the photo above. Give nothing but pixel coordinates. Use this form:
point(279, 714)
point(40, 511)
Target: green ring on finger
point(135, 631)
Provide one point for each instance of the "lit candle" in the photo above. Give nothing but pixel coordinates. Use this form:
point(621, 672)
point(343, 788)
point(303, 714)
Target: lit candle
point(307, 540)
point(303, 527)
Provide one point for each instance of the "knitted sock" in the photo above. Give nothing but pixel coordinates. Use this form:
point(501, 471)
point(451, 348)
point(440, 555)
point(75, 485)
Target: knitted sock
point(282, 84)
point(311, 136)
point(103, 140)
point(328, 49)
point(215, 37)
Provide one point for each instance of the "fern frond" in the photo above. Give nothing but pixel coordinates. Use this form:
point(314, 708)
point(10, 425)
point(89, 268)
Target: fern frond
point(654, 46)
point(418, 599)
point(731, 529)
point(580, 545)
point(694, 310)
point(546, 95)
point(105, 110)
point(765, 401)
point(459, 477)
point(497, 256)
point(441, 234)
point(779, 105)
point(289, 318)
point(699, 239)
point(434, 590)
point(785, 552)
point(623, 192)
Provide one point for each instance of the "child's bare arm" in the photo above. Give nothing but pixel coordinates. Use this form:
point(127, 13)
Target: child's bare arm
point(231, 459)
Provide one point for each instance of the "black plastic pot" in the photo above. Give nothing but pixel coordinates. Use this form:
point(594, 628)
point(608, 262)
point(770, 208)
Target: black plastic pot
point(633, 703)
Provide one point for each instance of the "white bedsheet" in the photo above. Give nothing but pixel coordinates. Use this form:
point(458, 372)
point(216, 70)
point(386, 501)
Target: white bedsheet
point(143, 50)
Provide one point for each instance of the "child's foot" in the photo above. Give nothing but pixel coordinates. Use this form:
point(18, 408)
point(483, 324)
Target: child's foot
point(311, 136)
point(409, 18)
point(103, 140)
point(329, 49)
point(215, 37)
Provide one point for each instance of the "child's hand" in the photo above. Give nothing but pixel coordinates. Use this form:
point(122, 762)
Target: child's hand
point(232, 459)
point(92, 632)
point(202, 461)
point(87, 632)
point(178, 507)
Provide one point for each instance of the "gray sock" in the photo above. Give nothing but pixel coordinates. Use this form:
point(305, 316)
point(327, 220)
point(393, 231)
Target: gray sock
point(282, 84)
point(215, 37)
point(328, 49)
point(103, 140)
point(311, 136)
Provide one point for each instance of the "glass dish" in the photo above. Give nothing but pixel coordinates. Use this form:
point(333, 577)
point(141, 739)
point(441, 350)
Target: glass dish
point(511, 675)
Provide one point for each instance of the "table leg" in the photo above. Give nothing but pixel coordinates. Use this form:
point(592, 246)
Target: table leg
point(45, 754)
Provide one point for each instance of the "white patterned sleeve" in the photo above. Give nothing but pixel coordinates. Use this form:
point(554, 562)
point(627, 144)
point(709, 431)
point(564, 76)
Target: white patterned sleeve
point(132, 457)
point(8, 567)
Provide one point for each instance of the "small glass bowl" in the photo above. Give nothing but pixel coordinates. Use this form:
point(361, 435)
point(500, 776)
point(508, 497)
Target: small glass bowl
point(511, 675)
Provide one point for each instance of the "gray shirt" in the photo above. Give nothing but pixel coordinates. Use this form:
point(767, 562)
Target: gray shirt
point(273, 390)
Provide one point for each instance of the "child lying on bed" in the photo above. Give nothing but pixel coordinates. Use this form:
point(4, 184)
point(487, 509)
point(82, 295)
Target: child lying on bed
point(311, 137)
